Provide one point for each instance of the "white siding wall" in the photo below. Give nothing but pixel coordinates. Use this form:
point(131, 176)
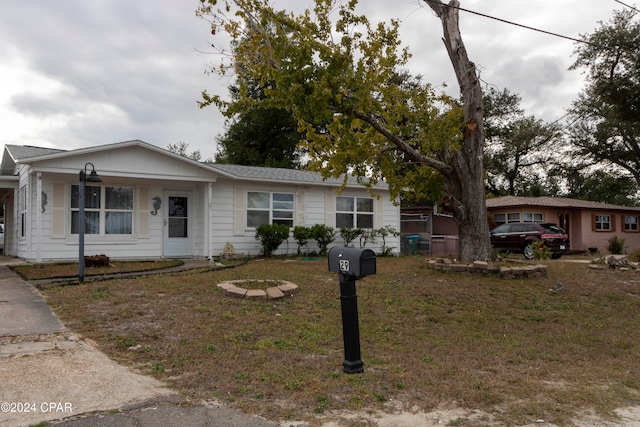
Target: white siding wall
point(151, 175)
point(228, 222)
point(145, 242)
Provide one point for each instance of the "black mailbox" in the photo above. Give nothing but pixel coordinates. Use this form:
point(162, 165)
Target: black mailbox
point(352, 261)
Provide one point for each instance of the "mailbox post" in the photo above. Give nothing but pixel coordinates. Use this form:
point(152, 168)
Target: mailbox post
point(351, 264)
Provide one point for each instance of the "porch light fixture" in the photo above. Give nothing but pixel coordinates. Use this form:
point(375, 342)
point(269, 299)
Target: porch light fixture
point(82, 221)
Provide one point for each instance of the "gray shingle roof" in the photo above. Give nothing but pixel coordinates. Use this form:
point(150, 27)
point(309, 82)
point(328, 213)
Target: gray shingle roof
point(253, 173)
point(281, 175)
point(552, 202)
point(19, 152)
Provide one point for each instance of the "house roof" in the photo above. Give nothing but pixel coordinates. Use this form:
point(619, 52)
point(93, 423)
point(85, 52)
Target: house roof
point(25, 151)
point(21, 153)
point(553, 202)
point(281, 175)
point(14, 153)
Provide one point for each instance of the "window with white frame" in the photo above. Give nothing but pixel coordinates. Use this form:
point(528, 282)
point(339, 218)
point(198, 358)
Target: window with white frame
point(108, 210)
point(603, 222)
point(513, 217)
point(631, 224)
point(499, 218)
point(356, 212)
point(269, 208)
point(532, 217)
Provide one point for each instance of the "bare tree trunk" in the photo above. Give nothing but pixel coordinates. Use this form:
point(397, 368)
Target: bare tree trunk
point(465, 183)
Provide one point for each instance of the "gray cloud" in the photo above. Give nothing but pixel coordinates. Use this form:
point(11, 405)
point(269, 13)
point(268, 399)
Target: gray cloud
point(82, 73)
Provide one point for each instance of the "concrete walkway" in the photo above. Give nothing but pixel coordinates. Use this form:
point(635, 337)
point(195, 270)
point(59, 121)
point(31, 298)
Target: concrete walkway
point(48, 373)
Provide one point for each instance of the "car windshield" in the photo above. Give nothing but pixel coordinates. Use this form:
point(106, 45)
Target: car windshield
point(552, 228)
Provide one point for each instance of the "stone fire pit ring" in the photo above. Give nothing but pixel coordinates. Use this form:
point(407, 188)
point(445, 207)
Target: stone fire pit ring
point(279, 289)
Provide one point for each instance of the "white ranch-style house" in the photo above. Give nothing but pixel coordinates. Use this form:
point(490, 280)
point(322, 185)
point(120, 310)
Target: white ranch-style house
point(153, 204)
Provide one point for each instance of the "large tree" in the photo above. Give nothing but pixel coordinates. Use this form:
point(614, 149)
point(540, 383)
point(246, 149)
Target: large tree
point(260, 136)
point(336, 78)
point(182, 149)
point(518, 151)
point(607, 112)
point(601, 186)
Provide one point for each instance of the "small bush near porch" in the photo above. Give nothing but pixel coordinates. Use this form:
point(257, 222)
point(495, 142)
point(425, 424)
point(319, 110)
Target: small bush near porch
point(517, 349)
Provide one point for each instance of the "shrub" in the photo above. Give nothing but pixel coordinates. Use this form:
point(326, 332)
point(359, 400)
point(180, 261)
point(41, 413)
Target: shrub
point(367, 236)
point(349, 234)
point(271, 236)
point(302, 235)
point(323, 235)
point(384, 232)
point(616, 245)
point(540, 250)
point(634, 256)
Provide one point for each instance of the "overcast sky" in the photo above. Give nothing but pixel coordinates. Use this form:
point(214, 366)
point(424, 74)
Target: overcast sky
point(77, 73)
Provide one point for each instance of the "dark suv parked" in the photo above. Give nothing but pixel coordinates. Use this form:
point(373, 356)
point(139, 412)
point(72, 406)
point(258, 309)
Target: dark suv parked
point(518, 236)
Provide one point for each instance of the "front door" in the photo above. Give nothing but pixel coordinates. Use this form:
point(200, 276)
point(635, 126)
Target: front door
point(177, 224)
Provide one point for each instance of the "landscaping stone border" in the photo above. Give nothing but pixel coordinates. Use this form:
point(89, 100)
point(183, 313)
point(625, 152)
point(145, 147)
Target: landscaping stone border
point(231, 288)
point(484, 268)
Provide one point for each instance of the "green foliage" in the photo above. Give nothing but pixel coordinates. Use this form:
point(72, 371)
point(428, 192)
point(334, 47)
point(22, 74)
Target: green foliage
point(516, 144)
point(302, 235)
point(323, 235)
point(602, 186)
point(384, 232)
point(368, 235)
point(605, 126)
point(261, 137)
point(181, 148)
point(540, 250)
point(616, 245)
point(271, 236)
point(343, 81)
point(349, 234)
point(503, 255)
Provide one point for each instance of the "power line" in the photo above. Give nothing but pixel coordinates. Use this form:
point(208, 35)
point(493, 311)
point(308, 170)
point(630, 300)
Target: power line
point(538, 29)
point(626, 5)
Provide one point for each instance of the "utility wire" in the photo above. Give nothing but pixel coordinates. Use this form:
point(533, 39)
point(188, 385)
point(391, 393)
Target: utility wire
point(539, 30)
point(624, 4)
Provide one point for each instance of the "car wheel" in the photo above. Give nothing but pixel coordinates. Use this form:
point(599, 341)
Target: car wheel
point(528, 251)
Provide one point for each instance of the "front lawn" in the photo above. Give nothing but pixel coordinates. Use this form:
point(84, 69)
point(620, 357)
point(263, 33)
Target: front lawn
point(512, 348)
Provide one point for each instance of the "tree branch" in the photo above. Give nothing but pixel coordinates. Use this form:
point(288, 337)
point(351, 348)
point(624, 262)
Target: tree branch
point(402, 146)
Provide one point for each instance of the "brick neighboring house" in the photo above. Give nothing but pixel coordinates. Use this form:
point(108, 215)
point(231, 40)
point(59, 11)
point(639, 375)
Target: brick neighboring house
point(589, 224)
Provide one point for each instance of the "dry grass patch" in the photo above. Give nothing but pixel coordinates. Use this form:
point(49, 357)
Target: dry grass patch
point(509, 347)
point(63, 270)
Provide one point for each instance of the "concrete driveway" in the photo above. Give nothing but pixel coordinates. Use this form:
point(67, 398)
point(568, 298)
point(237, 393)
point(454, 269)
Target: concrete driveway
point(49, 373)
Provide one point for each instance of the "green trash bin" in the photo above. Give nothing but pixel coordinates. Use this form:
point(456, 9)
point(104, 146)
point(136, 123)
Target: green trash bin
point(412, 244)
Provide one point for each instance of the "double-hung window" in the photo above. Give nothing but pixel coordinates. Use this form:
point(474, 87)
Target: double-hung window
point(603, 222)
point(631, 223)
point(108, 210)
point(354, 212)
point(269, 208)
